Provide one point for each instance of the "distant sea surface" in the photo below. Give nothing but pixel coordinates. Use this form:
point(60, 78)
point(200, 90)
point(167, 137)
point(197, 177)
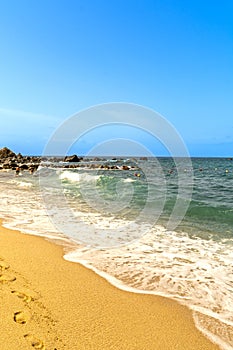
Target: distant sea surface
point(96, 214)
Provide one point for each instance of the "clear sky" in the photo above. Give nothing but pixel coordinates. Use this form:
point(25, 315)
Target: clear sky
point(58, 57)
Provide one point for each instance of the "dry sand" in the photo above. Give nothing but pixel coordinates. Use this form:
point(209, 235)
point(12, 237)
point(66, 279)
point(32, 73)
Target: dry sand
point(49, 303)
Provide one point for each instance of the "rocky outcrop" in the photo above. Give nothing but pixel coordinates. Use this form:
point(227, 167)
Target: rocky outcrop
point(72, 159)
point(9, 160)
point(6, 153)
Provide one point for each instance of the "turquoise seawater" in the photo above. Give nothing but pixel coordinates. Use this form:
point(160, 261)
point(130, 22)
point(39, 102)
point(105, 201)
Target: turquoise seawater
point(163, 226)
point(209, 213)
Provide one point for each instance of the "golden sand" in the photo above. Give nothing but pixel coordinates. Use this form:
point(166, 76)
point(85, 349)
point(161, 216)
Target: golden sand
point(49, 303)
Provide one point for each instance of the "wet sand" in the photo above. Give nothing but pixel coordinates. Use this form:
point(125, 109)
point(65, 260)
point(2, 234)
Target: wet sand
point(49, 303)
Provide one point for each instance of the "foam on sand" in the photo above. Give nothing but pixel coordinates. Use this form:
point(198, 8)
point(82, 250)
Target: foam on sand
point(72, 307)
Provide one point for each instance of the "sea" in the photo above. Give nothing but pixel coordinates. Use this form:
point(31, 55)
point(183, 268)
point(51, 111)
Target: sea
point(160, 226)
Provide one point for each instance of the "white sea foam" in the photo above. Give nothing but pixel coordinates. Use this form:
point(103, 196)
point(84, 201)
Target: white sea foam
point(129, 180)
point(197, 273)
point(24, 184)
point(77, 177)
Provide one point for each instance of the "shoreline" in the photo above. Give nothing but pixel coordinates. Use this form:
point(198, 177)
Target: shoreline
point(57, 304)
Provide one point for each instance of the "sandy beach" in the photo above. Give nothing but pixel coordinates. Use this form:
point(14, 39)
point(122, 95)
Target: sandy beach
point(49, 303)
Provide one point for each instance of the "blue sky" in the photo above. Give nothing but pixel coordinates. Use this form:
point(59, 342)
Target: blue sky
point(174, 56)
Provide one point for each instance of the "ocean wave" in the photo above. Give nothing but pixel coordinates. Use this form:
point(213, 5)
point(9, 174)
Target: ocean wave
point(193, 267)
point(74, 176)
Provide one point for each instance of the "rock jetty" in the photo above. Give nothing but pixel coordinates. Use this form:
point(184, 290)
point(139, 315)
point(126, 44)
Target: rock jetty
point(18, 162)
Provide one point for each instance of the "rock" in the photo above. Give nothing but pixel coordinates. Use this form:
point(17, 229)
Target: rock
point(6, 153)
point(32, 168)
point(9, 160)
point(35, 159)
point(6, 165)
point(125, 167)
point(73, 158)
point(23, 166)
point(94, 166)
point(19, 156)
point(13, 165)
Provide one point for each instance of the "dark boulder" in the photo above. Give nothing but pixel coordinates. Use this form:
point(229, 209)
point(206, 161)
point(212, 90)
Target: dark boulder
point(13, 164)
point(74, 159)
point(23, 166)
